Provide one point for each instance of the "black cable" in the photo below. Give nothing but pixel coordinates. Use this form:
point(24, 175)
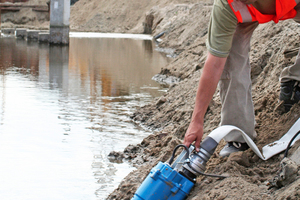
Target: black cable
point(289, 145)
point(204, 174)
point(174, 151)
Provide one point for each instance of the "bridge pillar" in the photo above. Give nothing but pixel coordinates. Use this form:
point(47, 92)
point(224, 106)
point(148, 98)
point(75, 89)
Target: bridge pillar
point(59, 21)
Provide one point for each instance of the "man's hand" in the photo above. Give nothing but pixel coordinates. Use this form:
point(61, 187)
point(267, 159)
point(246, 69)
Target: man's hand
point(194, 133)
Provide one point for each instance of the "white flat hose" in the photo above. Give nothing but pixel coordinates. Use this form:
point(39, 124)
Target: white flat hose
point(267, 151)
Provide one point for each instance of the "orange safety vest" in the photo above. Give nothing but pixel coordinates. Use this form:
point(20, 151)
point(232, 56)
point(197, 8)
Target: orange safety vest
point(247, 12)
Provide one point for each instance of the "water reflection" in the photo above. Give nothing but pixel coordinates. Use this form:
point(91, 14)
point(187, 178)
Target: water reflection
point(59, 67)
point(118, 63)
point(63, 109)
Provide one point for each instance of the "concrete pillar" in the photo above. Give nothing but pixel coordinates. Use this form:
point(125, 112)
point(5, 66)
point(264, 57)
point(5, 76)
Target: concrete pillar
point(21, 33)
point(33, 34)
point(59, 21)
point(44, 37)
point(8, 31)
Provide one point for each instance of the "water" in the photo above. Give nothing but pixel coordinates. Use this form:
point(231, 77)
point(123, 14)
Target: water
point(63, 109)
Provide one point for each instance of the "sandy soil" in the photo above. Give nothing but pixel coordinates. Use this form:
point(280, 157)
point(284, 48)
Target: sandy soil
point(184, 24)
point(26, 17)
point(122, 16)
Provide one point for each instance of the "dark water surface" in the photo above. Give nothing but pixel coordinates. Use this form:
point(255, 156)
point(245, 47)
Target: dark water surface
point(63, 109)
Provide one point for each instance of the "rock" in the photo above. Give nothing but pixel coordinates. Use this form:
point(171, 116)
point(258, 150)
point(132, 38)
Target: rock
point(116, 157)
point(240, 157)
point(165, 79)
point(131, 149)
point(161, 100)
point(287, 174)
point(269, 52)
point(296, 155)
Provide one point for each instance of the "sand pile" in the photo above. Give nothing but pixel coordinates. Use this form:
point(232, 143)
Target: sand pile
point(26, 17)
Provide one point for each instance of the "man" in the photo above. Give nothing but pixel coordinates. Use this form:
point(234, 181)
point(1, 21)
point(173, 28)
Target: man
point(230, 29)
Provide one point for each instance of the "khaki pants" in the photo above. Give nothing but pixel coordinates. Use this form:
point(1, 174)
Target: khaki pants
point(235, 83)
point(292, 72)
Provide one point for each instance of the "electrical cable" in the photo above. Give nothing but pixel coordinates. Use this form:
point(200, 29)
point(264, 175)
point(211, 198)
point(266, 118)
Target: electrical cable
point(174, 151)
point(289, 145)
point(204, 174)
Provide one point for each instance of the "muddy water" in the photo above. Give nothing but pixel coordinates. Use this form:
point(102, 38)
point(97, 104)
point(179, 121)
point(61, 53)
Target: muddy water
point(63, 109)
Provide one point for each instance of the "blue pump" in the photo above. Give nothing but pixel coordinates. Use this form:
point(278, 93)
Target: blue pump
point(167, 181)
point(163, 182)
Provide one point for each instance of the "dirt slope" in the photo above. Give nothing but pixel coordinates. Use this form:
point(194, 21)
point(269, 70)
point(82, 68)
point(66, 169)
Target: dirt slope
point(170, 114)
point(185, 26)
point(116, 15)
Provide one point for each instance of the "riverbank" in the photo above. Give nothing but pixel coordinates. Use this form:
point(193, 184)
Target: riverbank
point(184, 24)
point(169, 115)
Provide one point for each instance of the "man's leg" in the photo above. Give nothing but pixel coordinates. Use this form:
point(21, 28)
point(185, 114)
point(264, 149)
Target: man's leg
point(290, 78)
point(291, 72)
point(235, 85)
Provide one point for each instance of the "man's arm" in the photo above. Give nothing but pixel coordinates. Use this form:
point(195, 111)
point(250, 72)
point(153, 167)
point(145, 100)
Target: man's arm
point(211, 74)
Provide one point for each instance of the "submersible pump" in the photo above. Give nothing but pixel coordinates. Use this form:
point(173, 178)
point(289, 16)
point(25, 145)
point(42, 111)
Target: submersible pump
point(173, 181)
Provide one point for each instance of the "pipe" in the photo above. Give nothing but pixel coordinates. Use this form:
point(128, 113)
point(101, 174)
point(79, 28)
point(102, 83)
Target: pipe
point(267, 151)
point(220, 132)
